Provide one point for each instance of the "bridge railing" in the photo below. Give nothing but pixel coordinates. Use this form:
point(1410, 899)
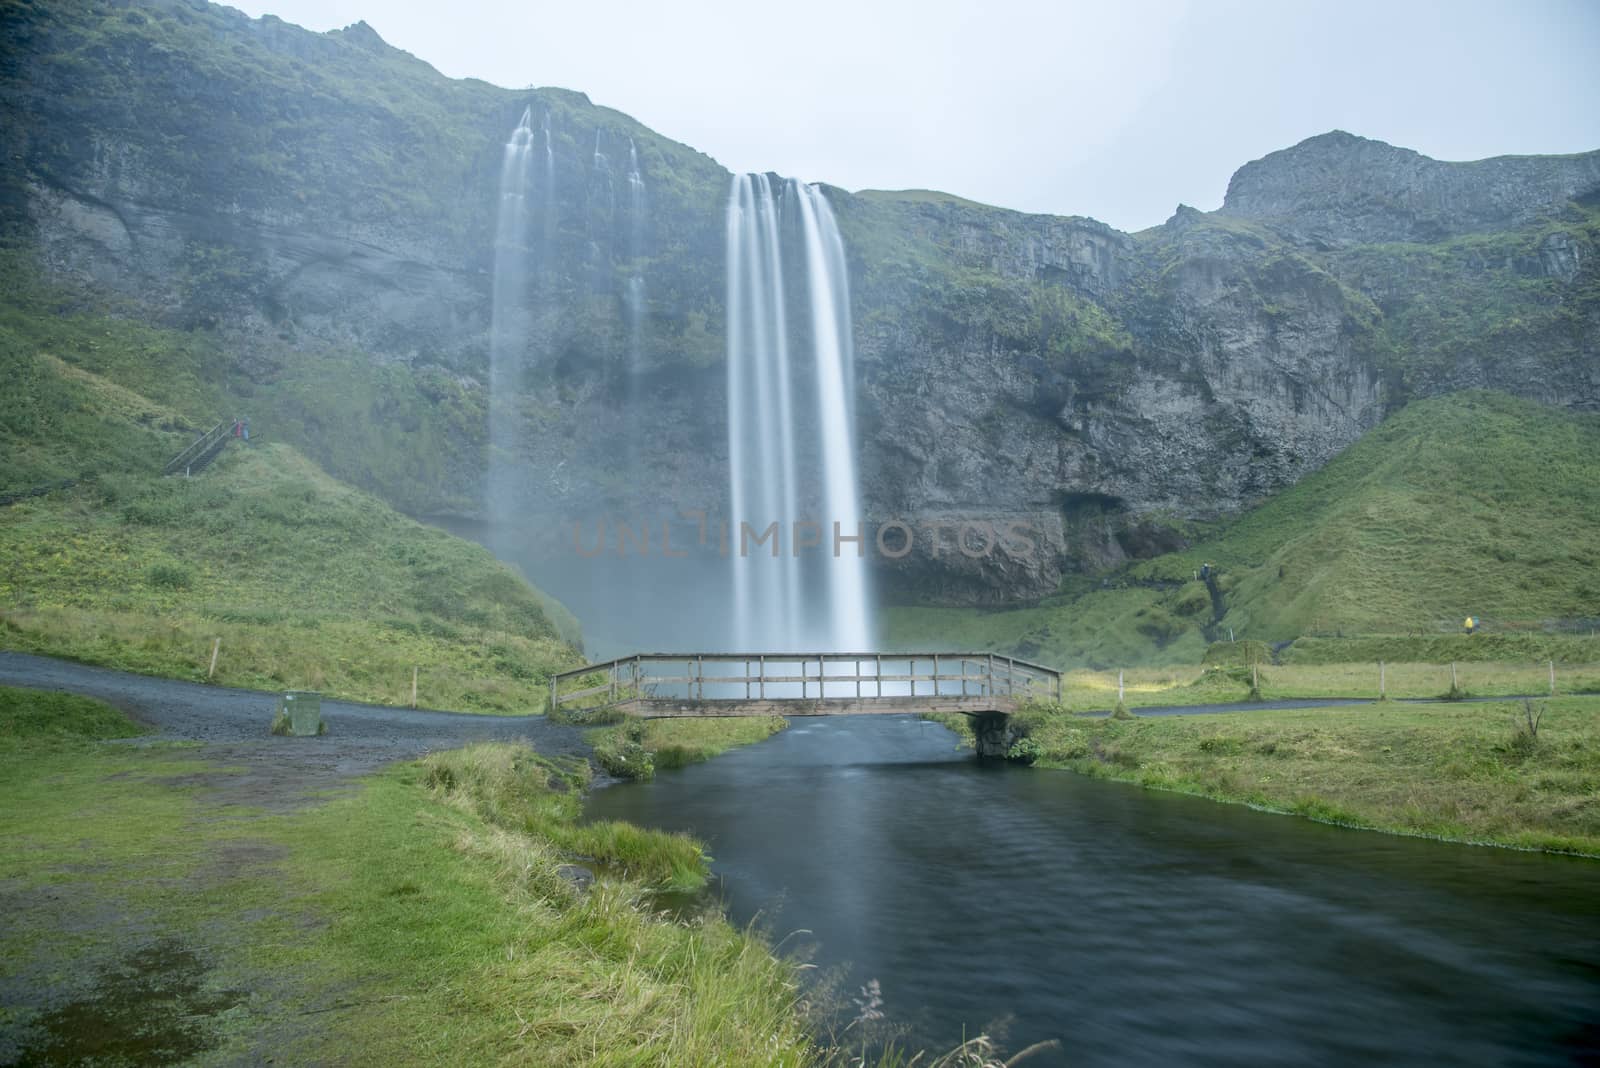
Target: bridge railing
point(744, 677)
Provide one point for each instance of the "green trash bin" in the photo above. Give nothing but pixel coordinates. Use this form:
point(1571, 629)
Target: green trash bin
point(299, 714)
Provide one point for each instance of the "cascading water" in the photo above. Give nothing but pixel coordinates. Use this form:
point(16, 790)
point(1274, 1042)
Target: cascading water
point(549, 187)
point(508, 324)
point(791, 434)
point(635, 294)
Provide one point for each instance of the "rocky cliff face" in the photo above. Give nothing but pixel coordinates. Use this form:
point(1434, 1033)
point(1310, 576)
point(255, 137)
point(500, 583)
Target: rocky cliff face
point(1338, 189)
point(316, 200)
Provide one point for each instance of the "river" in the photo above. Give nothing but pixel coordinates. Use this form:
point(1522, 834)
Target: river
point(1133, 926)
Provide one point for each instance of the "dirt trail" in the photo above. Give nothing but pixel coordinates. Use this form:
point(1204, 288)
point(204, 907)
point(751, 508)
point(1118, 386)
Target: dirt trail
point(278, 772)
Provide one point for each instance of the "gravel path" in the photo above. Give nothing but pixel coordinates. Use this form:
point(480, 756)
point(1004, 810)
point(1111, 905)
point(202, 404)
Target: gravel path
point(280, 772)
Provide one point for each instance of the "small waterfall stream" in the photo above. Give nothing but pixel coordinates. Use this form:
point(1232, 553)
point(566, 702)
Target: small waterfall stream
point(509, 314)
point(635, 295)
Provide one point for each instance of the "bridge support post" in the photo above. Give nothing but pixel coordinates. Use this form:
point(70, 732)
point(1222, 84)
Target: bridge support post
point(992, 735)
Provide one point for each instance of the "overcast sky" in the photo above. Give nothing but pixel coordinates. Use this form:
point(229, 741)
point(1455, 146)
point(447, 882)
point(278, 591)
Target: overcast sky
point(1118, 110)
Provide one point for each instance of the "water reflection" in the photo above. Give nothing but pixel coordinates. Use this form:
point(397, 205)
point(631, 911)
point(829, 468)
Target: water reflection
point(1136, 926)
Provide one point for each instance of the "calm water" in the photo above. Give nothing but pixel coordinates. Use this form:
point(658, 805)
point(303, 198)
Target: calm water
point(1135, 927)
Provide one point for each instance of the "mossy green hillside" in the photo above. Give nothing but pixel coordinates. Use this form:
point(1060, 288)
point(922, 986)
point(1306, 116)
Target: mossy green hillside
point(413, 434)
point(1473, 503)
point(308, 583)
point(1476, 297)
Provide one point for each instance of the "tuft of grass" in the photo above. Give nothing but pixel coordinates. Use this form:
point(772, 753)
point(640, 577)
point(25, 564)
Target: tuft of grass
point(31, 717)
point(676, 743)
point(515, 788)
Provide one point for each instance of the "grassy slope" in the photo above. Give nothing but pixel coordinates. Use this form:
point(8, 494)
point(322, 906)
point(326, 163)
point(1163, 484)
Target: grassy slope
point(1452, 771)
point(422, 918)
point(1469, 503)
point(409, 433)
point(310, 584)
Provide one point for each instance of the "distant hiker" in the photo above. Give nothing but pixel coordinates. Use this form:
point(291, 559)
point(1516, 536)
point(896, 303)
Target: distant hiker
point(244, 429)
point(238, 428)
point(1205, 572)
point(1470, 624)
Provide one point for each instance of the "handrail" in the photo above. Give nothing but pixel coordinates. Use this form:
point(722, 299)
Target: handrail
point(739, 658)
point(771, 677)
point(196, 449)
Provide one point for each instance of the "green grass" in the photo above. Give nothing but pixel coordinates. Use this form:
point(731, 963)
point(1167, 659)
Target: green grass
point(1085, 690)
point(675, 743)
point(423, 918)
point(515, 789)
point(34, 717)
point(414, 434)
point(1101, 628)
point(921, 196)
point(309, 583)
point(1450, 771)
point(1473, 503)
point(1564, 649)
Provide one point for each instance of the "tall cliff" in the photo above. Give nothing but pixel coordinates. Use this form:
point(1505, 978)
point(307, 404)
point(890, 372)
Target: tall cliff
point(317, 211)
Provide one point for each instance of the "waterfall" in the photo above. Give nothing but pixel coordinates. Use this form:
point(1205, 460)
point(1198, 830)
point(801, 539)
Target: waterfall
point(549, 179)
point(508, 322)
point(636, 294)
point(791, 434)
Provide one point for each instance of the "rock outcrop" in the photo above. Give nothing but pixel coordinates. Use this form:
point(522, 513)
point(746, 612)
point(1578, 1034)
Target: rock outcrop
point(1338, 189)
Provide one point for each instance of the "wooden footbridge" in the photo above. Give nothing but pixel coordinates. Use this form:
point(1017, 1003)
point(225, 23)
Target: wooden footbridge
point(662, 685)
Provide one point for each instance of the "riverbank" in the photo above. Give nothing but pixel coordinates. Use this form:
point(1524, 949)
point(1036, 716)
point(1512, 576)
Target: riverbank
point(436, 911)
point(637, 749)
point(1460, 772)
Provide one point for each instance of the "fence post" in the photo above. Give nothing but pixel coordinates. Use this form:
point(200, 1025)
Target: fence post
point(1552, 678)
point(216, 647)
point(413, 686)
point(1382, 689)
point(1119, 686)
point(552, 707)
point(935, 674)
point(1453, 684)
